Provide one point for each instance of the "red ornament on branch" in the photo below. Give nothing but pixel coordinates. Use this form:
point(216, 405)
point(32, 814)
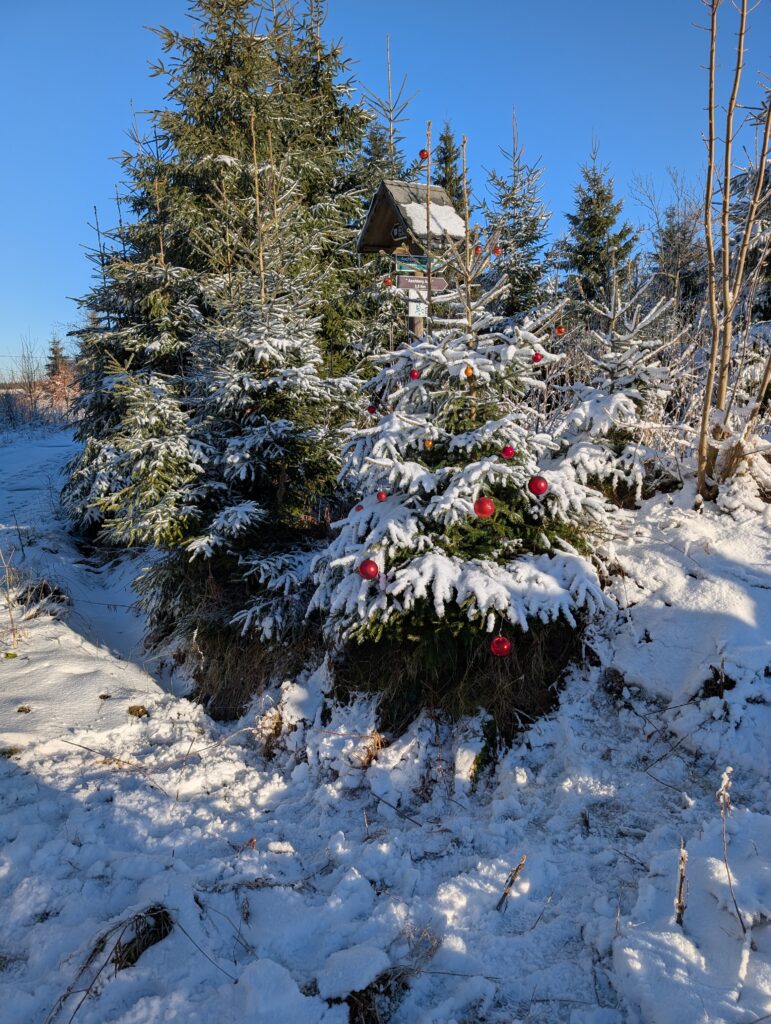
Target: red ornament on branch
point(559, 330)
point(388, 281)
point(484, 507)
point(372, 409)
point(414, 374)
point(508, 452)
point(358, 508)
point(500, 646)
point(538, 485)
point(423, 154)
point(381, 495)
point(537, 357)
point(368, 570)
point(497, 251)
point(477, 250)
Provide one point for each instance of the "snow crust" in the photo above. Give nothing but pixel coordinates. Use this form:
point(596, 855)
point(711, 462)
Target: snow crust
point(444, 220)
point(302, 858)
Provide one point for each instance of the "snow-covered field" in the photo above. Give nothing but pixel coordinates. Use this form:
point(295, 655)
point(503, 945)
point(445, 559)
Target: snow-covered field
point(300, 862)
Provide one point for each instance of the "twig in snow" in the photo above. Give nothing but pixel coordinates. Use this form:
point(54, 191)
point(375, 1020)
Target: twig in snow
point(204, 953)
point(401, 814)
point(179, 776)
point(543, 911)
point(680, 903)
point(661, 782)
point(21, 539)
point(513, 876)
point(208, 909)
point(111, 759)
point(724, 799)
point(121, 954)
point(7, 584)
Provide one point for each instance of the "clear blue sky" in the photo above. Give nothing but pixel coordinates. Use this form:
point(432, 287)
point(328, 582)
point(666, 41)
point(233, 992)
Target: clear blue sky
point(629, 72)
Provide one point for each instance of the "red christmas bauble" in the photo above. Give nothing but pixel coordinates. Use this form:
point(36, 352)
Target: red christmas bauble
point(537, 357)
point(484, 507)
point(500, 646)
point(559, 330)
point(358, 508)
point(381, 495)
point(388, 281)
point(368, 570)
point(497, 251)
point(414, 374)
point(423, 154)
point(508, 452)
point(372, 409)
point(538, 485)
point(477, 250)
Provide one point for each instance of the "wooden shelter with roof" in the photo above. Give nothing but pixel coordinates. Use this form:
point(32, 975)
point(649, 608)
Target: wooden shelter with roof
point(396, 219)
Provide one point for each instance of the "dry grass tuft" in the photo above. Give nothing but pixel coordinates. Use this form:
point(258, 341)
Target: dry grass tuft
point(145, 929)
point(229, 669)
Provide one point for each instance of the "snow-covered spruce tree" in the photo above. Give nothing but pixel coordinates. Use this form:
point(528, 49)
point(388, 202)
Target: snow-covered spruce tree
point(456, 579)
point(139, 316)
point(211, 411)
point(234, 482)
point(604, 421)
point(251, 77)
point(234, 591)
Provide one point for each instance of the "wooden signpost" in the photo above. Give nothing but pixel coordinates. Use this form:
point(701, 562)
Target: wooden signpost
point(419, 283)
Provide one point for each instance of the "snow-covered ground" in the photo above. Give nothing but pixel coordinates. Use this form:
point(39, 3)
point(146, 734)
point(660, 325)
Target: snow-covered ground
point(302, 862)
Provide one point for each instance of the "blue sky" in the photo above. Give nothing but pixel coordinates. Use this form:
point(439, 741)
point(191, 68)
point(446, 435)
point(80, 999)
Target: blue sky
point(71, 74)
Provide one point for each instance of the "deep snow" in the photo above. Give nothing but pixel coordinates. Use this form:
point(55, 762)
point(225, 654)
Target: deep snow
point(300, 861)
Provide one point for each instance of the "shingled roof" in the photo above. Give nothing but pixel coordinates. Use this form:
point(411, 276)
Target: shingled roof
point(397, 214)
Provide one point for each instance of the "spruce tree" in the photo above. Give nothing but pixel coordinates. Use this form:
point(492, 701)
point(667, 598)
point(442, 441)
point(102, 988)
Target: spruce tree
point(678, 257)
point(209, 412)
point(445, 166)
point(519, 221)
point(597, 245)
point(57, 359)
point(248, 82)
point(600, 429)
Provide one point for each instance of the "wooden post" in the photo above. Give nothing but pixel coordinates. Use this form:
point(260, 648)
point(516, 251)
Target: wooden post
point(416, 324)
point(257, 214)
point(428, 219)
point(467, 262)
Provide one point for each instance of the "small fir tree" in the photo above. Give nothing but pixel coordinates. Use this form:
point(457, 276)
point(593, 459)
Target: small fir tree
point(445, 166)
point(601, 431)
point(597, 247)
point(57, 359)
point(519, 221)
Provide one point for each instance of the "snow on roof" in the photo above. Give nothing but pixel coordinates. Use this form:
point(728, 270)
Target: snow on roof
point(444, 220)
